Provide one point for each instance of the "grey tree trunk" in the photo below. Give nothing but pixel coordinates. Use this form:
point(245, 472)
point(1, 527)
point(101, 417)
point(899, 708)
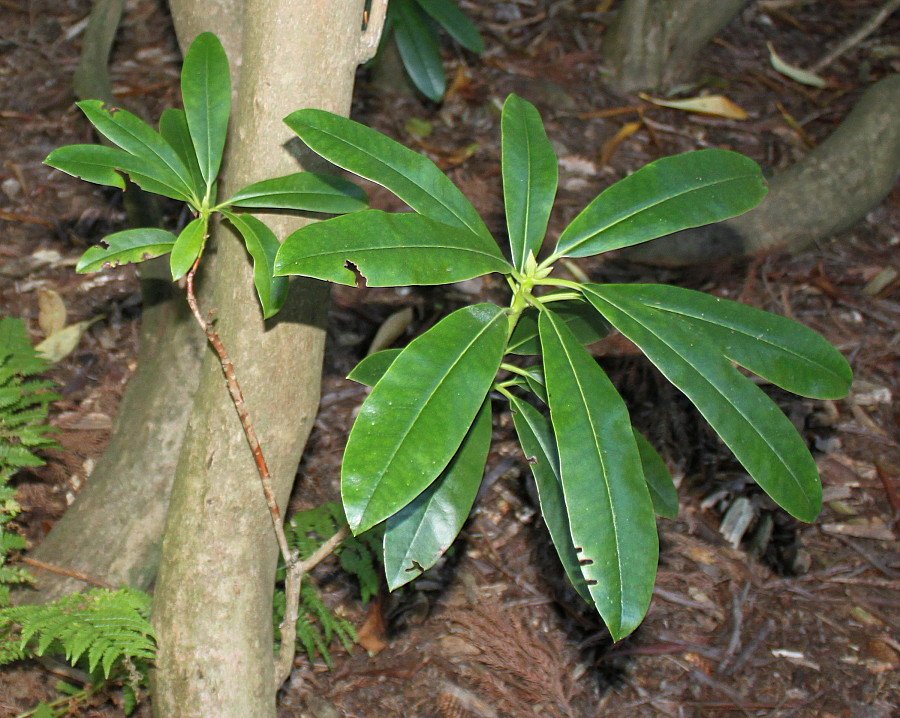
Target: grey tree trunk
point(828, 191)
point(213, 598)
point(129, 487)
point(653, 44)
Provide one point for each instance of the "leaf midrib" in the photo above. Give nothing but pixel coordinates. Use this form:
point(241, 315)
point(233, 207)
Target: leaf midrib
point(387, 465)
point(606, 486)
point(393, 169)
point(718, 391)
point(651, 205)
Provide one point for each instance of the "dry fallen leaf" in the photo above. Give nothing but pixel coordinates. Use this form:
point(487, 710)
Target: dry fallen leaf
point(63, 342)
point(717, 105)
point(51, 311)
point(391, 330)
point(371, 634)
point(610, 145)
point(795, 73)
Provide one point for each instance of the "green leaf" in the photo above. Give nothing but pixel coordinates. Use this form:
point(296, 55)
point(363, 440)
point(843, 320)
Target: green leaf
point(389, 250)
point(659, 480)
point(419, 534)
point(448, 15)
point(132, 245)
point(663, 197)
point(304, 191)
point(370, 370)
point(92, 163)
point(587, 323)
point(753, 427)
point(173, 127)
point(778, 349)
point(206, 93)
point(609, 506)
point(530, 175)
point(420, 49)
point(365, 152)
point(539, 447)
point(187, 248)
point(97, 164)
point(416, 416)
point(262, 244)
point(137, 138)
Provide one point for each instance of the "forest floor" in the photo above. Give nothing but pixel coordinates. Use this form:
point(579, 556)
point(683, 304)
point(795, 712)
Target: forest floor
point(786, 619)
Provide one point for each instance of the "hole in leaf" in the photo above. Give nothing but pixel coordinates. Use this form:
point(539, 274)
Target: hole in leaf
point(360, 277)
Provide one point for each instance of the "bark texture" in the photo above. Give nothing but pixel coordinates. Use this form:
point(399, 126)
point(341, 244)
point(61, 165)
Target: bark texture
point(652, 44)
point(129, 487)
point(213, 598)
point(114, 528)
point(826, 192)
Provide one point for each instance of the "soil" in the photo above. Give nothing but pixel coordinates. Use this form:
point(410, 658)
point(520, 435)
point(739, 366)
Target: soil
point(786, 619)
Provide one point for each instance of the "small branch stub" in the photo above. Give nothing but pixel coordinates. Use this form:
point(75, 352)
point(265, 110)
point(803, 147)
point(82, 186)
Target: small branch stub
point(368, 42)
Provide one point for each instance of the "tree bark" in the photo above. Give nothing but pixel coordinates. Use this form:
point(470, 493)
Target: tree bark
point(213, 598)
point(826, 192)
point(129, 487)
point(653, 44)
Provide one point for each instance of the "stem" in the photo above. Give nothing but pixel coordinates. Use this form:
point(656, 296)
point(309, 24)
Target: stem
point(238, 398)
point(67, 572)
point(292, 582)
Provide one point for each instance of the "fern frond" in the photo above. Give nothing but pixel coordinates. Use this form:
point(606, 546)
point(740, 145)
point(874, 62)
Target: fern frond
point(105, 626)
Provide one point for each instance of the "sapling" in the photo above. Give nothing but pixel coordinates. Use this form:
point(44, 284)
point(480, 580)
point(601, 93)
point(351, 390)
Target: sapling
point(182, 161)
point(417, 450)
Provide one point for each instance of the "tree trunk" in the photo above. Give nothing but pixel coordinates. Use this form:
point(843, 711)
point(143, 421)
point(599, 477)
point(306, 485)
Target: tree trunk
point(652, 44)
point(828, 191)
point(213, 598)
point(129, 487)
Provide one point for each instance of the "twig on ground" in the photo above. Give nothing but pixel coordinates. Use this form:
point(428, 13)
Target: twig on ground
point(858, 35)
point(67, 572)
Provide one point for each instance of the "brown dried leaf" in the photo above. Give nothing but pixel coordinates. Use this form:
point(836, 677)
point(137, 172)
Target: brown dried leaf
point(717, 105)
point(51, 311)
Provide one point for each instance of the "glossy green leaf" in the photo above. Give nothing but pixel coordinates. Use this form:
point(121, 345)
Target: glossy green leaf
point(663, 197)
point(587, 323)
point(416, 416)
point(304, 191)
point(778, 349)
point(262, 244)
point(419, 534)
point(535, 381)
point(98, 164)
point(89, 164)
point(368, 153)
point(132, 245)
point(758, 433)
point(173, 127)
point(206, 93)
point(610, 510)
point(389, 250)
point(539, 447)
point(659, 480)
point(448, 15)
point(372, 368)
point(136, 137)
point(420, 49)
point(530, 175)
point(187, 248)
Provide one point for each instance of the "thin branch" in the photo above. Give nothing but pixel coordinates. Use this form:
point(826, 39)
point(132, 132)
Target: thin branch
point(293, 580)
point(858, 35)
point(238, 398)
point(67, 572)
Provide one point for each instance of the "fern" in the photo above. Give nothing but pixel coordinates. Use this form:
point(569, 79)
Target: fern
point(306, 531)
point(103, 627)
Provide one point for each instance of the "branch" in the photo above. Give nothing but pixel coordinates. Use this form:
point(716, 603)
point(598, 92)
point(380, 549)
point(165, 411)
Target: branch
point(368, 43)
point(288, 628)
point(238, 398)
point(858, 35)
